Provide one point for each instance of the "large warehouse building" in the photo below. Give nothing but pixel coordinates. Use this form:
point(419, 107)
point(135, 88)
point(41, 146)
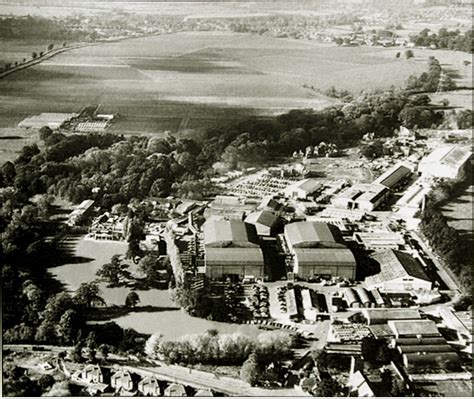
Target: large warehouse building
point(317, 249)
point(399, 272)
point(366, 197)
point(231, 249)
point(447, 162)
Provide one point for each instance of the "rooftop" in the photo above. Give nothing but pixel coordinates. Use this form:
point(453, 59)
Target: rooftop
point(393, 175)
point(325, 256)
point(414, 328)
point(377, 316)
point(265, 218)
point(229, 233)
point(451, 156)
point(396, 264)
point(308, 185)
point(233, 256)
point(311, 235)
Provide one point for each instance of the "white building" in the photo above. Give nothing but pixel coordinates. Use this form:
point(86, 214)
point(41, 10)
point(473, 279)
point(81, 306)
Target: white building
point(398, 272)
point(366, 197)
point(302, 189)
point(413, 200)
point(378, 240)
point(447, 162)
point(264, 221)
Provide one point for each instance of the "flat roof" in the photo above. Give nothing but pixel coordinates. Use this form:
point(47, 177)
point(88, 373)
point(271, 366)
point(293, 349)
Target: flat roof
point(414, 327)
point(383, 315)
point(451, 156)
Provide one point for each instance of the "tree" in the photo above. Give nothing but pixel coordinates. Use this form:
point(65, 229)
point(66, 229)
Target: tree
point(132, 300)
point(114, 271)
point(50, 46)
point(68, 326)
point(328, 388)
point(398, 54)
point(60, 389)
point(45, 132)
point(409, 54)
point(250, 370)
point(45, 382)
point(34, 55)
point(91, 340)
point(89, 295)
point(104, 350)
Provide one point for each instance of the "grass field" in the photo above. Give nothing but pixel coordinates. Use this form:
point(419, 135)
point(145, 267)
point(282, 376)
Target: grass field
point(12, 50)
point(188, 81)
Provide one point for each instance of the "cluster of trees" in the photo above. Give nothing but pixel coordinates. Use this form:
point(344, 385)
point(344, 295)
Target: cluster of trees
point(223, 306)
point(444, 239)
point(221, 349)
point(464, 119)
point(445, 39)
point(432, 80)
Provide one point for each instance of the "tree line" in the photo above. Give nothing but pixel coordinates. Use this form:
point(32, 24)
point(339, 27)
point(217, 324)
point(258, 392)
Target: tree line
point(445, 39)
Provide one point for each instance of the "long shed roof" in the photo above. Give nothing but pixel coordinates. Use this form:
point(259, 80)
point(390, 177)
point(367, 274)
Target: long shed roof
point(229, 233)
point(312, 234)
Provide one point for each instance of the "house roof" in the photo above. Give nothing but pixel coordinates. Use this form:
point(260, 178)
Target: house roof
point(325, 256)
point(264, 218)
point(233, 256)
point(229, 233)
point(312, 234)
point(175, 390)
point(396, 264)
point(393, 175)
point(412, 328)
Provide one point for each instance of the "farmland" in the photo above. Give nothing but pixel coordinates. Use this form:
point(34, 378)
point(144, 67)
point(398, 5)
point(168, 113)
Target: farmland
point(191, 80)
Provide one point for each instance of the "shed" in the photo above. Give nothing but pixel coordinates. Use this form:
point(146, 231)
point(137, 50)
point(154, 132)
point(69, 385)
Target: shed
point(351, 298)
point(175, 390)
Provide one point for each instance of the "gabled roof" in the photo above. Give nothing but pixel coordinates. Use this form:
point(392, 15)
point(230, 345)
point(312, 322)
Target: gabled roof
point(393, 175)
point(233, 256)
point(307, 185)
point(264, 218)
point(451, 156)
point(229, 233)
point(396, 264)
point(312, 234)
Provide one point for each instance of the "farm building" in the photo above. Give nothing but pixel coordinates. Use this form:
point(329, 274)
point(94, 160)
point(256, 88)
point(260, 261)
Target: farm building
point(82, 211)
point(264, 222)
point(399, 272)
point(394, 177)
point(366, 197)
point(52, 120)
point(382, 316)
point(447, 162)
point(231, 250)
point(149, 386)
point(303, 189)
point(378, 240)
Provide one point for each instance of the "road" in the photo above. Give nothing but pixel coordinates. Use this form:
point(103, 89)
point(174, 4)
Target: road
point(204, 380)
point(441, 270)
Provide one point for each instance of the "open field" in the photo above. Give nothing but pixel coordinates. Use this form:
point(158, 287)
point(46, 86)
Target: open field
point(188, 80)
point(12, 50)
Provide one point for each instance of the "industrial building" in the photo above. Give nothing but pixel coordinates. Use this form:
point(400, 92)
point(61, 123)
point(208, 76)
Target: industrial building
point(399, 272)
point(317, 249)
point(412, 201)
point(445, 162)
point(231, 250)
point(379, 240)
point(352, 215)
point(264, 221)
point(82, 211)
point(461, 322)
point(366, 197)
point(382, 316)
point(394, 177)
point(303, 189)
